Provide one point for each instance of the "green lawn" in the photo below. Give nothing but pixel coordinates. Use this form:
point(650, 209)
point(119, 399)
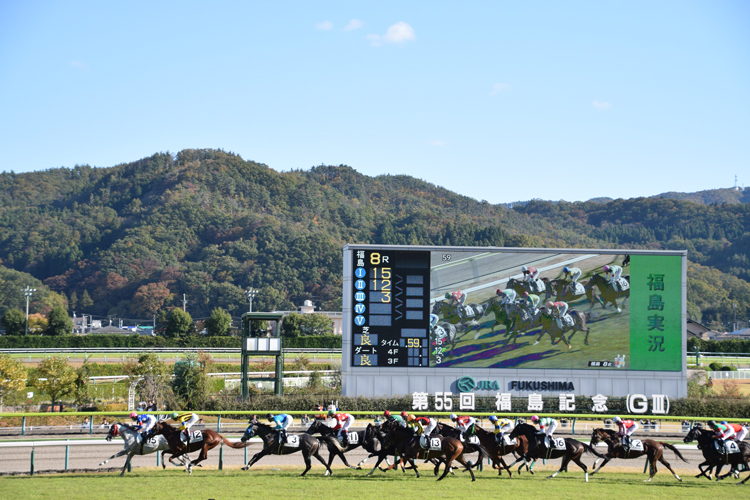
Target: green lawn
point(285, 485)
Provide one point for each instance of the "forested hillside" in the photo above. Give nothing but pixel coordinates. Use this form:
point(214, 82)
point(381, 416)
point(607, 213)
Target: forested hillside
point(129, 240)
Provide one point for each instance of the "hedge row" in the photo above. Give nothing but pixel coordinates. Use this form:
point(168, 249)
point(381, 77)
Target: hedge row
point(694, 407)
point(40, 342)
point(738, 346)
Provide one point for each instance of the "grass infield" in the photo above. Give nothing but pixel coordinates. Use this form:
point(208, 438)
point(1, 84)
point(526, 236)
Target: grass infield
point(265, 483)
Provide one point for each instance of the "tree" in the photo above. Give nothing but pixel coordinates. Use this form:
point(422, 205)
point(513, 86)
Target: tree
point(81, 382)
point(38, 324)
point(191, 383)
point(156, 378)
point(86, 301)
point(219, 322)
point(72, 301)
point(58, 322)
point(297, 325)
point(179, 324)
point(59, 378)
point(149, 298)
point(14, 322)
point(12, 376)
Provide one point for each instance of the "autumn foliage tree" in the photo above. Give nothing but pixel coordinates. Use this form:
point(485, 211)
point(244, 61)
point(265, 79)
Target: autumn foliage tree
point(12, 376)
point(148, 299)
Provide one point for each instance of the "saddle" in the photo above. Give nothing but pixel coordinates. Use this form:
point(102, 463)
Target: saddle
point(472, 440)
point(555, 443)
point(195, 436)
point(578, 289)
point(726, 447)
point(467, 311)
point(537, 286)
point(632, 445)
point(505, 440)
point(351, 438)
point(621, 285)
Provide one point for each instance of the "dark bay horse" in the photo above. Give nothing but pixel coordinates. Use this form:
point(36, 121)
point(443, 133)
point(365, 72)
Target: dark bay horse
point(607, 291)
point(450, 431)
point(307, 444)
point(707, 444)
point(496, 450)
point(538, 449)
point(549, 325)
point(335, 447)
point(211, 439)
point(521, 286)
point(408, 448)
point(463, 320)
point(565, 290)
point(654, 450)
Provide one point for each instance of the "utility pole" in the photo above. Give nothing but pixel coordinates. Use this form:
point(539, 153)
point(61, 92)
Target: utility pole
point(734, 324)
point(251, 293)
point(184, 303)
point(28, 292)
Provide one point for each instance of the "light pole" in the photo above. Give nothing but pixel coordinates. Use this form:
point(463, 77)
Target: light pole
point(251, 293)
point(28, 292)
point(734, 325)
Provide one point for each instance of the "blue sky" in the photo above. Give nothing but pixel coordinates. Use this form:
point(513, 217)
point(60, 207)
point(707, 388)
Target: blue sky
point(500, 101)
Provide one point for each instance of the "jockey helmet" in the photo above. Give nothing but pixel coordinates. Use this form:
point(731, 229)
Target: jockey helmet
point(712, 423)
point(493, 418)
point(724, 422)
point(174, 415)
point(319, 408)
point(535, 419)
point(133, 415)
point(386, 413)
point(447, 295)
point(617, 420)
point(454, 416)
point(606, 269)
point(525, 294)
point(410, 418)
point(498, 292)
point(434, 318)
point(566, 270)
point(524, 269)
point(550, 304)
point(404, 414)
point(269, 416)
point(331, 413)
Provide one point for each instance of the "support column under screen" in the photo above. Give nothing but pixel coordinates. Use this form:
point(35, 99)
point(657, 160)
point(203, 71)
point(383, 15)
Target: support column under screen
point(391, 308)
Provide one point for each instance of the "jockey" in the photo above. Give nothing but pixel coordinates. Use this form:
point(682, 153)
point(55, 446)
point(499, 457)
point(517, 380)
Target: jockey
point(530, 274)
point(343, 422)
point(508, 296)
point(740, 432)
point(559, 310)
point(143, 423)
point(464, 423)
point(282, 423)
point(614, 279)
point(547, 425)
point(322, 414)
point(187, 420)
point(723, 432)
point(572, 273)
point(531, 301)
point(397, 419)
point(626, 428)
point(501, 426)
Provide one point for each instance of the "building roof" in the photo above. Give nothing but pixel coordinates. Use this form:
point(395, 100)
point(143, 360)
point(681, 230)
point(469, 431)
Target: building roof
point(110, 329)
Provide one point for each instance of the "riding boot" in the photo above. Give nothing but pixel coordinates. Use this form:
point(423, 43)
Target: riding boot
point(282, 436)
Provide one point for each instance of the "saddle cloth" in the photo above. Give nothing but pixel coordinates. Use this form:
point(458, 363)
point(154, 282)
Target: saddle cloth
point(195, 436)
point(468, 311)
point(471, 440)
point(353, 438)
point(621, 285)
point(568, 320)
point(579, 289)
point(507, 441)
point(432, 445)
point(636, 445)
point(731, 447)
point(538, 286)
point(292, 441)
point(151, 440)
point(554, 443)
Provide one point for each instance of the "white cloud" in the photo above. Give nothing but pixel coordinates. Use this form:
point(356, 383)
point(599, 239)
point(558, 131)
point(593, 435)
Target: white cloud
point(325, 25)
point(499, 87)
point(79, 65)
point(398, 33)
point(354, 24)
point(602, 105)
point(437, 143)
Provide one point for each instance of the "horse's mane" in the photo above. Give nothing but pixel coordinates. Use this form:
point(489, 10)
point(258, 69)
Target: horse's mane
point(525, 429)
point(610, 432)
point(127, 426)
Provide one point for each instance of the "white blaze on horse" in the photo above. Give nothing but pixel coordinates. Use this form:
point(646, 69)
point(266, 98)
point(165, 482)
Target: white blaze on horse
point(133, 440)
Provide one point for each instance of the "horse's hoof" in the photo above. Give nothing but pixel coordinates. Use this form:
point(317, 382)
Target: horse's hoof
point(535, 343)
point(585, 342)
point(245, 468)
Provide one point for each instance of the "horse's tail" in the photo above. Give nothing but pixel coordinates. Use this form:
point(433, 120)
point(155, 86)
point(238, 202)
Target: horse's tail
point(590, 449)
point(332, 440)
point(233, 445)
point(674, 449)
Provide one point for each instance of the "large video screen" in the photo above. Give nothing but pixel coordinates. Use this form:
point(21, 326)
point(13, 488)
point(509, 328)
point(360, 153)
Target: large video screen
point(468, 308)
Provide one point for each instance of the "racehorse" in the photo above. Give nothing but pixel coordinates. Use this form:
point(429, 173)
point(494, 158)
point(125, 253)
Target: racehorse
point(408, 448)
point(450, 431)
point(133, 447)
point(653, 449)
point(501, 315)
point(538, 449)
point(307, 444)
point(471, 313)
point(565, 290)
point(549, 325)
point(515, 319)
point(381, 435)
point(496, 450)
point(607, 291)
point(707, 444)
point(211, 439)
point(522, 285)
point(336, 448)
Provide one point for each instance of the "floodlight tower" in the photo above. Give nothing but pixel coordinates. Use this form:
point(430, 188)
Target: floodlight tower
point(251, 293)
point(28, 292)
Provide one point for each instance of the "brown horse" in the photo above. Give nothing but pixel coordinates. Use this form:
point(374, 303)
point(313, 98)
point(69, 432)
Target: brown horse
point(521, 286)
point(654, 450)
point(549, 325)
point(496, 450)
point(408, 448)
point(607, 292)
point(538, 449)
point(211, 439)
point(565, 290)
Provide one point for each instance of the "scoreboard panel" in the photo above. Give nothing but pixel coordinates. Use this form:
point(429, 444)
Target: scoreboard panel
point(391, 320)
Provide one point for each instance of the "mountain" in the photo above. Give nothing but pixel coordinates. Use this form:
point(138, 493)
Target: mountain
point(130, 240)
point(729, 195)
